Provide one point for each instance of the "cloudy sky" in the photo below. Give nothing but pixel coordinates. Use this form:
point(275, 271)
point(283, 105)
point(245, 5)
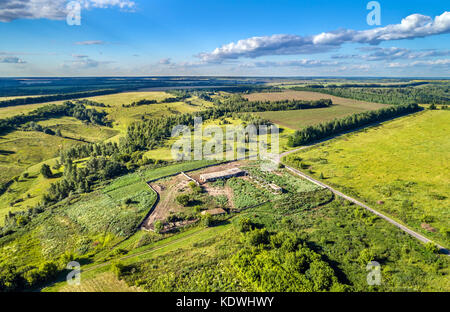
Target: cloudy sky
point(224, 37)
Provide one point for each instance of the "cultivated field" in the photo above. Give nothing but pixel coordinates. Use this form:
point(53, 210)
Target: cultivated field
point(299, 119)
point(400, 167)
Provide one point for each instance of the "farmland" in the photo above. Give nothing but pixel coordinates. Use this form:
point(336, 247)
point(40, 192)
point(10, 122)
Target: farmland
point(399, 168)
point(88, 208)
point(301, 118)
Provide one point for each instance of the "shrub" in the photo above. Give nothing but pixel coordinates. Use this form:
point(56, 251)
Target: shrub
point(426, 219)
point(118, 269)
point(183, 200)
point(158, 226)
point(258, 237)
point(207, 220)
point(46, 171)
point(245, 225)
point(431, 247)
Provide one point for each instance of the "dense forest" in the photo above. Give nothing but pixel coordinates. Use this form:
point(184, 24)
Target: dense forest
point(432, 94)
point(314, 133)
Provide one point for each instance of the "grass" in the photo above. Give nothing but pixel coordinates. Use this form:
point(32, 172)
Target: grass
point(123, 117)
point(73, 128)
point(200, 260)
point(81, 224)
point(26, 151)
point(106, 282)
point(400, 168)
point(299, 119)
point(10, 111)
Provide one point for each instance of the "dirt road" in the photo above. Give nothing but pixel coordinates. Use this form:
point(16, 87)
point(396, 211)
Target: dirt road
point(356, 202)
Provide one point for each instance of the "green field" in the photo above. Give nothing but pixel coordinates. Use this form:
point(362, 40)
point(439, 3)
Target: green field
point(73, 128)
point(205, 259)
point(22, 151)
point(400, 168)
point(299, 119)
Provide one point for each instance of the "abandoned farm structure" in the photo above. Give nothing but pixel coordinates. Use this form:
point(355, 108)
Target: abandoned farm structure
point(222, 175)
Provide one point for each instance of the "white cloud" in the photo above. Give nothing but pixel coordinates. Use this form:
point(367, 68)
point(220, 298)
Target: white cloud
point(413, 26)
point(392, 53)
point(292, 63)
point(51, 9)
point(439, 63)
point(80, 61)
point(90, 42)
point(165, 61)
point(11, 60)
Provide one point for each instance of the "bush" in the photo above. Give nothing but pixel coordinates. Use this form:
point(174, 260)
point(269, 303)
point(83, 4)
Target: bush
point(245, 225)
point(22, 221)
point(207, 220)
point(431, 247)
point(158, 227)
point(183, 200)
point(258, 237)
point(118, 269)
point(46, 171)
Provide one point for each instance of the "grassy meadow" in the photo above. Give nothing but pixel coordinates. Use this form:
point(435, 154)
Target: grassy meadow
point(299, 119)
point(400, 167)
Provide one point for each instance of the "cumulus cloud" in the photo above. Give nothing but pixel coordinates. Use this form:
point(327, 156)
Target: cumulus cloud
point(413, 26)
point(11, 60)
point(51, 9)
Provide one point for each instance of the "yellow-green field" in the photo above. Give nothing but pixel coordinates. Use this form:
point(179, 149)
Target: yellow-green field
point(299, 119)
point(25, 152)
point(10, 111)
point(75, 129)
point(22, 149)
point(123, 117)
point(106, 282)
point(401, 167)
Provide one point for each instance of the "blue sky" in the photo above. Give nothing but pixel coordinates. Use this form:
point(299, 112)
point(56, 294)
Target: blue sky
point(233, 37)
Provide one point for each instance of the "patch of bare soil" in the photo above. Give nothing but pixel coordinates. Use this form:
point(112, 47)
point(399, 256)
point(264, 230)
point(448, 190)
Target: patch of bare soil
point(217, 191)
point(428, 227)
point(167, 189)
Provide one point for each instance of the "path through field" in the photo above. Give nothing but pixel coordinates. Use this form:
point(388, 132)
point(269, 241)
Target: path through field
point(340, 194)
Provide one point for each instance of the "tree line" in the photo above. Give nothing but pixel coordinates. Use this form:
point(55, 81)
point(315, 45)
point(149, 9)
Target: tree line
point(55, 97)
point(432, 94)
point(317, 132)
